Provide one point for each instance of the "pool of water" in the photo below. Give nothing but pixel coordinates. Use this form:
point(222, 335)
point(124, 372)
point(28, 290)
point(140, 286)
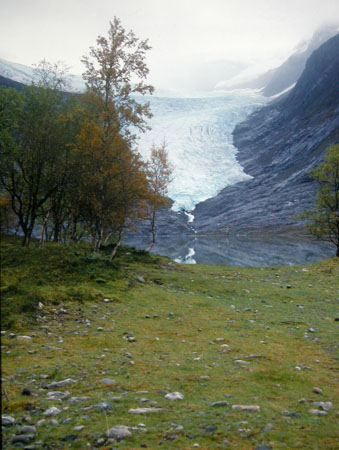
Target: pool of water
point(246, 250)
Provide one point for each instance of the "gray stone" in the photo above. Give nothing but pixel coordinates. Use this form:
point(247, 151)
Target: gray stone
point(174, 396)
point(28, 429)
point(262, 447)
point(118, 432)
point(318, 412)
point(251, 408)
point(79, 428)
point(220, 403)
point(52, 411)
point(144, 410)
point(57, 395)
point(108, 381)
point(325, 406)
point(140, 279)
point(23, 438)
point(103, 406)
point(7, 420)
point(317, 390)
point(61, 383)
point(66, 421)
point(78, 399)
point(26, 391)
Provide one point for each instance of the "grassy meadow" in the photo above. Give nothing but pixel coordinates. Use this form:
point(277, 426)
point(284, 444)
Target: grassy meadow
point(129, 332)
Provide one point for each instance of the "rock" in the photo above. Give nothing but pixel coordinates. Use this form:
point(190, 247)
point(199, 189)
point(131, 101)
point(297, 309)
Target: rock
point(52, 411)
point(240, 361)
point(27, 429)
point(7, 421)
point(22, 438)
point(262, 447)
point(26, 391)
point(317, 390)
point(225, 443)
point(325, 406)
point(66, 421)
point(140, 279)
point(252, 408)
point(61, 383)
point(24, 338)
point(220, 403)
point(57, 395)
point(211, 428)
point(119, 432)
point(107, 381)
point(290, 414)
point(103, 406)
point(170, 436)
point(174, 396)
point(78, 428)
point(318, 412)
point(144, 410)
point(78, 399)
point(54, 422)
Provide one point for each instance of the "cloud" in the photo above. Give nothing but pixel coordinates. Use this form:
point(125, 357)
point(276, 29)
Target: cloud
point(183, 33)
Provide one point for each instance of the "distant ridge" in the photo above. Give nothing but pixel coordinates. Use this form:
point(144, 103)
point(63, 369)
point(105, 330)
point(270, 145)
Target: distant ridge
point(11, 83)
point(276, 81)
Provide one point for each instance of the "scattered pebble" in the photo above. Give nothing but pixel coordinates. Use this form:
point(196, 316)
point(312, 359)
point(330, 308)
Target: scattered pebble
point(252, 408)
point(61, 383)
point(317, 390)
point(119, 432)
point(174, 396)
point(52, 411)
point(144, 410)
point(7, 420)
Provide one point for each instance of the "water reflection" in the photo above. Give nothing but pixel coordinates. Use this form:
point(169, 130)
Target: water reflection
point(239, 250)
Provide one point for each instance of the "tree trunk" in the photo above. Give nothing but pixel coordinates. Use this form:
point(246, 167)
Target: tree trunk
point(117, 245)
point(153, 231)
point(43, 231)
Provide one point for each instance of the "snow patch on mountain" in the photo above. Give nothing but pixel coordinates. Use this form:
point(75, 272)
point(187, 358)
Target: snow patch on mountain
point(26, 75)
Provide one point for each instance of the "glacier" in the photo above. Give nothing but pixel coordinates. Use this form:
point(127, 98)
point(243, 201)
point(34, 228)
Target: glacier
point(198, 133)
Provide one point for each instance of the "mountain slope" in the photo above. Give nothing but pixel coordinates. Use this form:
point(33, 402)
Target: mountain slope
point(278, 145)
point(25, 75)
point(277, 80)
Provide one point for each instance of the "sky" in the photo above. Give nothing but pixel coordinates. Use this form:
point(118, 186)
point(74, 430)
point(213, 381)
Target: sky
point(186, 36)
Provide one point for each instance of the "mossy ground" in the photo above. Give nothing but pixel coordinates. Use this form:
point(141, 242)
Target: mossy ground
point(284, 316)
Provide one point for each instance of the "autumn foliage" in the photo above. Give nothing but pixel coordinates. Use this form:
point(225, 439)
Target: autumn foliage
point(69, 164)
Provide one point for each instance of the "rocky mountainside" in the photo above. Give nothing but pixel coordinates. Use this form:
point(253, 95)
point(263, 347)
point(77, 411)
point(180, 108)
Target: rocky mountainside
point(278, 145)
point(277, 80)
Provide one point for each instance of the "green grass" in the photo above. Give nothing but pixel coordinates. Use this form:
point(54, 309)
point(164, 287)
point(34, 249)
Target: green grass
point(176, 317)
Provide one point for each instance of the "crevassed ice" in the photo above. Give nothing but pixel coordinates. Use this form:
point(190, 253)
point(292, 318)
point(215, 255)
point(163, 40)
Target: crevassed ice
point(198, 133)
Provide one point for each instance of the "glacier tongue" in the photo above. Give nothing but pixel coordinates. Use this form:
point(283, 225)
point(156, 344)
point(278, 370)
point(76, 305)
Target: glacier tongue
point(198, 133)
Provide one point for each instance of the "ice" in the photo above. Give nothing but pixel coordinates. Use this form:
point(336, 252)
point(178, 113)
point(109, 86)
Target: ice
point(188, 259)
point(198, 133)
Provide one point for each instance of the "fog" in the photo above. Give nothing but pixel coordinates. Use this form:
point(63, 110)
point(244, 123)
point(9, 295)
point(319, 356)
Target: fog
point(191, 40)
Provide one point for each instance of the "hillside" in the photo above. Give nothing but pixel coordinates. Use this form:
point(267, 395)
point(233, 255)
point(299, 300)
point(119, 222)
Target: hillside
point(277, 80)
point(91, 351)
point(278, 145)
